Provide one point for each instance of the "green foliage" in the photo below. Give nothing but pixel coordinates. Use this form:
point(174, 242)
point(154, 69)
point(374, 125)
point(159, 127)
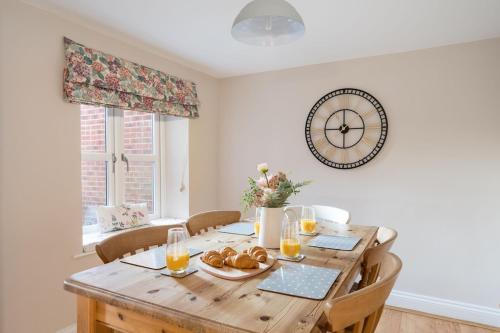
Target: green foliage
point(250, 194)
point(256, 196)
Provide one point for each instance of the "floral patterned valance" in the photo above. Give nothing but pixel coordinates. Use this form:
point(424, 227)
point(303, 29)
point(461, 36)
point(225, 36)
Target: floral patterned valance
point(97, 78)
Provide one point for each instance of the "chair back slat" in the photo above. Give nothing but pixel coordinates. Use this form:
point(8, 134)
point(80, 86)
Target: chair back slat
point(364, 307)
point(203, 221)
point(374, 255)
point(333, 214)
point(115, 247)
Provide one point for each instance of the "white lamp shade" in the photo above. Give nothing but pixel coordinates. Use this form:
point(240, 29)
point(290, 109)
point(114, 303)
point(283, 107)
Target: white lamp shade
point(268, 23)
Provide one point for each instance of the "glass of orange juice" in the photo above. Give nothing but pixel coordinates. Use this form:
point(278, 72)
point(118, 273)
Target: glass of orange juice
point(290, 242)
point(177, 252)
point(308, 221)
point(258, 217)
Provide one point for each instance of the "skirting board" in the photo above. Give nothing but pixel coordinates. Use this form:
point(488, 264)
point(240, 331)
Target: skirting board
point(446, 308)
point(68, 329)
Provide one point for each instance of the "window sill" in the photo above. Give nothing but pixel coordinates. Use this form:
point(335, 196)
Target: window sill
point(90, 239)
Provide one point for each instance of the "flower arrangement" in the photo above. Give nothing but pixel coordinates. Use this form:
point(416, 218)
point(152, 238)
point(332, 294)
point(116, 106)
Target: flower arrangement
point(271, 191)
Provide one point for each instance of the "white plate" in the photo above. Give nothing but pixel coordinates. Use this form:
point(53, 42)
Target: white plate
point(231, 273)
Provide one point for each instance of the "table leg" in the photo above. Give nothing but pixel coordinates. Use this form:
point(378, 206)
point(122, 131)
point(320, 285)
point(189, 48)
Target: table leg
point(85, 317)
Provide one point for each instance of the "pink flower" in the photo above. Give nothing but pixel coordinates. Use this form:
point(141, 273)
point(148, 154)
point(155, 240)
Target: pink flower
point(274, 180)
point(148, 102)
point(82, 69)
point(262, 167)
point(267, 194)
point(98, 67)
point(124, 97)
point(122, 71)
point(76, 58)
point(112, 81)
point(262, 182)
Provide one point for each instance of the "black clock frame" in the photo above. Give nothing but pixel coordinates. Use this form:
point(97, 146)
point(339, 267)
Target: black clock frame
point(383, 134)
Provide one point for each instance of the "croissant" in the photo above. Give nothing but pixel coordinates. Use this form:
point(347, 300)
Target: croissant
point(213, 258)
point(227, 251)
point(258, 253)
point(241, 260)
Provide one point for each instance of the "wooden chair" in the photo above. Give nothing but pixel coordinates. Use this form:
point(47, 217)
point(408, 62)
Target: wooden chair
point(333, 214)
point(115, 247)
point(374, 256)
point(202, 221)
point(361, 310)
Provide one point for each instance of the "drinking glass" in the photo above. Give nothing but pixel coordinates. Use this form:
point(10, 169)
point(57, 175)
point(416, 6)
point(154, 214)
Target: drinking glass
point(258, 218)
point(177, 252)
point(308, 221)
point(290, 242)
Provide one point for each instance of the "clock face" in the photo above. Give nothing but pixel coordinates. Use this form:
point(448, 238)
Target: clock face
point(346, 128)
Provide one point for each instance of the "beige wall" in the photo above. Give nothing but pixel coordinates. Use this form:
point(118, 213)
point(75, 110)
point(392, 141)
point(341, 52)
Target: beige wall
point(436, 180)
point(40, 163)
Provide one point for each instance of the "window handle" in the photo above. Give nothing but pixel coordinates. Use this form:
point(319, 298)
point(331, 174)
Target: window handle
point(125, 159)
point(113, 159)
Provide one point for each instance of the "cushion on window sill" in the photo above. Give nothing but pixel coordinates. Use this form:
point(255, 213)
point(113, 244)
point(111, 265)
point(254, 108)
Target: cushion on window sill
point(112, 218)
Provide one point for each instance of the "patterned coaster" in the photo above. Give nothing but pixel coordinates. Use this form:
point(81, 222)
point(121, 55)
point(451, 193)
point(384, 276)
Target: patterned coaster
point(299, 258)
point(154, 258)
point(239, 228)
point(301, 280)
point(189, 270)
point(344, 243)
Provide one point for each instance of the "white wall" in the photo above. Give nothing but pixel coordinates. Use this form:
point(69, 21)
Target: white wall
point(40, 162)
point(436, 180)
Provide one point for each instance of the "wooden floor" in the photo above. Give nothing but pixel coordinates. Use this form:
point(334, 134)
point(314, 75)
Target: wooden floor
point(395, 321)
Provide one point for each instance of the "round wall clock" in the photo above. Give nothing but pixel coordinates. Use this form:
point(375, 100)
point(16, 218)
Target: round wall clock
point(346, 128)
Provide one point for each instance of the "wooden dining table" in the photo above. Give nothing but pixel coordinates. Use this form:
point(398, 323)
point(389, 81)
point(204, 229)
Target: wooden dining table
point(130, 298)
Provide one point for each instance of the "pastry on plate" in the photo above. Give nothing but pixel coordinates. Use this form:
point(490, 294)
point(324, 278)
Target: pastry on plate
point(258, 253)
point(242, 260)
point(213, 258)
point(227, 252)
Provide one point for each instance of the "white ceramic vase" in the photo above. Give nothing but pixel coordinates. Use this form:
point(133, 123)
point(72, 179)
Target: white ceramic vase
point(270, 227)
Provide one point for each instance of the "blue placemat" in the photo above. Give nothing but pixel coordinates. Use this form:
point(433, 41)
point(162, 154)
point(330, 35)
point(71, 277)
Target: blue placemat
point(239, 228)
point(193, 252)
point(344, 243)
point(301, 280)
point(154, 258)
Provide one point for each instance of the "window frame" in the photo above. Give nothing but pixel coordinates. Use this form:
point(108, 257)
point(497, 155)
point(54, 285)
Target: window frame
point(115, 180)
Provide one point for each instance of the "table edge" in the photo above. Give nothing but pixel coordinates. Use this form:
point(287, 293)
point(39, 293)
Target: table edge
point(145, 308)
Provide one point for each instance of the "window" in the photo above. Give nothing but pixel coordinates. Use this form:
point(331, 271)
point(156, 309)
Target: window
point(120, 160)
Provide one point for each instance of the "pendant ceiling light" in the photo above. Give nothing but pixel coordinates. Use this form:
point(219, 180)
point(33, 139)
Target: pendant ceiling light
point(268, 23)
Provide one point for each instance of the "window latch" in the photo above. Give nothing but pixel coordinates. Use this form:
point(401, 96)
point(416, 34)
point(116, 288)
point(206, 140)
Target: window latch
point(113, 159)
point(125, 159)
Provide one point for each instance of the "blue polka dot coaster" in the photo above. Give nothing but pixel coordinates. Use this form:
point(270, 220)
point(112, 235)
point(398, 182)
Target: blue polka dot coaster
point(333, 242)
point(189, 270)
point(301, 280)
